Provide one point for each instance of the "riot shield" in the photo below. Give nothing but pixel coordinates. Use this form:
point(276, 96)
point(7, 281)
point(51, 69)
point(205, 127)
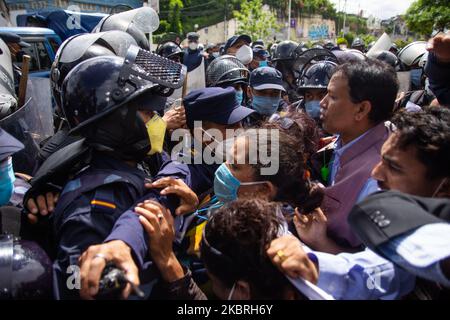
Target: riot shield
point(383, 43)
point(196, 79)
point(8, 99)
point(145, 19)
point(31, 124)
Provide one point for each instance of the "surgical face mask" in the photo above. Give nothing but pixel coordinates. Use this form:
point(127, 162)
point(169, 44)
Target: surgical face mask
point(313, 108)
point(263, 64)
point(193, 46)
point(245, 54)
point(226, 186)
point(265, 105)
point(216, 54)
point(239, 96)
point(156, 130)
point(7, 179)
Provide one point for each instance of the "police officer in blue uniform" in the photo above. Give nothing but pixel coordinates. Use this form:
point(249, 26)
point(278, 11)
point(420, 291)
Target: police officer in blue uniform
point(127, 245)
point(193, 56)
point(118, 119)
point(264, 94)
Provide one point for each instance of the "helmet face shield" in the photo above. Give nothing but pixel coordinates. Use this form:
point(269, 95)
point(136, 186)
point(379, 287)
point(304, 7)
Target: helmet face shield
point(145, 19)
point(84, 46)
point(411, 54)
point(135, 22)
point(75, 47)
point(309, 57)
point(316, 76)
point(98, 86)
point(226, 69)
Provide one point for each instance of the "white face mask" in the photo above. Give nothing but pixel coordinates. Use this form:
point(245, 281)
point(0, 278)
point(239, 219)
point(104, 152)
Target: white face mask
point(245, 54)
point(193, 45)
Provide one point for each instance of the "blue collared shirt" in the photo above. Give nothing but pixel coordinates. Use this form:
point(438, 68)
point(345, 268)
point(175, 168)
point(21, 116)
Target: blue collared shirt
point(371, 184)
point(421, 251)
point(361, 276)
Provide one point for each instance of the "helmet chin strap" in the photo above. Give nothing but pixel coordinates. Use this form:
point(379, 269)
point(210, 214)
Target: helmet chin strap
point(439, 187)
point(128, 141)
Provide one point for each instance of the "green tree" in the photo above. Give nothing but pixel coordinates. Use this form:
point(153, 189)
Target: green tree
point(322, 7)
point(425, 15)
point(257, 23)
point(174, 18)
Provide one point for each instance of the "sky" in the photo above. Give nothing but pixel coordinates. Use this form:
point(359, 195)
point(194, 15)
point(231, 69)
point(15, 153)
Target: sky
point(382, 9)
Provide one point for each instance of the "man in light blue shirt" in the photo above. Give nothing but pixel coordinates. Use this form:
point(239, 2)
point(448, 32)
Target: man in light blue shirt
point(414, 161)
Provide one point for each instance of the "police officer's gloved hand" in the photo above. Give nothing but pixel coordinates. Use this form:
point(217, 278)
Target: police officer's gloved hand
point(40, 203)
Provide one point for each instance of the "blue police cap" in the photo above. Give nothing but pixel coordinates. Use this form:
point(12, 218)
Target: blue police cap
point(218, 105)
point(194, 36)
point(260, 52)
point(10, 37)
point(266, 78)
point(8, 145)
point(235, 39)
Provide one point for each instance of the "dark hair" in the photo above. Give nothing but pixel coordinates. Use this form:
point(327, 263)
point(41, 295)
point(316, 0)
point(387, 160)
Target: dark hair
point(303, 129)
point(429, 132)
point(292, 179)
point(374, 81)
point(234, 247)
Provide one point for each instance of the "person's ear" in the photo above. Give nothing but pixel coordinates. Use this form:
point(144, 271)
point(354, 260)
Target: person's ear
point(363, 110)
point(249, 93)
point(269, 189)
point(242, 291)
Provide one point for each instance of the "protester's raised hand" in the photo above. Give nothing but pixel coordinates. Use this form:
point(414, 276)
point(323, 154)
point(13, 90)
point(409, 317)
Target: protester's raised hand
point(158, 223)
point(287, 254)
point(93, 261)
point(188, 198)
point(175, 118)
point(311, 228)
point(440, 46)
point(42, 205)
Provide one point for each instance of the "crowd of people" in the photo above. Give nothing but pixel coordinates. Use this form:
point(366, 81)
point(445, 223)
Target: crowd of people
point(242, 171)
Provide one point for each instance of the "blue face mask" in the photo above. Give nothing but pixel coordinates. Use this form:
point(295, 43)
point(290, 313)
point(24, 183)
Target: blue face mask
point(6, 181)
point(313, 108)
point(239, 96)
point(226, 186)
point(263, 64)
point(265, 105)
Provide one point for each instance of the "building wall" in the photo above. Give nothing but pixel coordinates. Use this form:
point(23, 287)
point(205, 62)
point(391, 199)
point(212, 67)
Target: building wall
point(313, 28)
point(309, 28)
point(216, 33)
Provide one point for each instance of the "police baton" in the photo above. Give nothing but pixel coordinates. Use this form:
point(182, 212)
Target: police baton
point(183, 92)
point(24, 79)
